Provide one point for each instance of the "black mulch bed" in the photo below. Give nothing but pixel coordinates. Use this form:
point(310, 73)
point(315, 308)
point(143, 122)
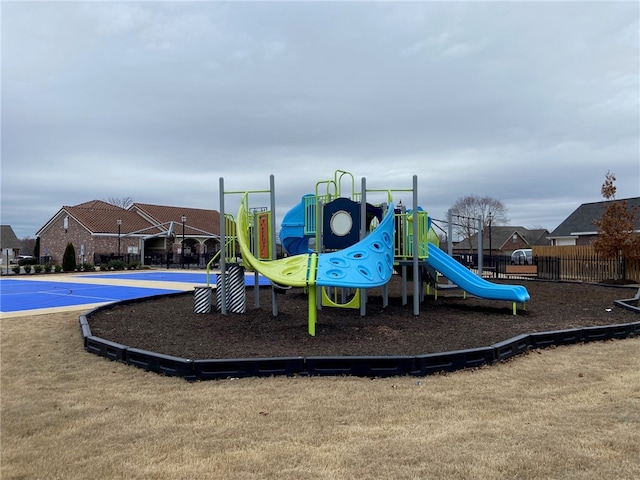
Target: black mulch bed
point(168, 325)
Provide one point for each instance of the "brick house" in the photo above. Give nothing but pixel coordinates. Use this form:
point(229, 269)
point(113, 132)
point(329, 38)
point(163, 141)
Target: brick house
point(9, 244)
point(201, 231)
point(142, 232)
point(503, 241)
point(579, 229)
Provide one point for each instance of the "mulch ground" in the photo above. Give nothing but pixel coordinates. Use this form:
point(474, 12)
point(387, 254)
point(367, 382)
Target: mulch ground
point(449, 322)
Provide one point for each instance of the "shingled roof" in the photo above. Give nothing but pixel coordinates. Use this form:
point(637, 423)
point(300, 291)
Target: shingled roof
point(199, 221)
point(581, 220)
point(502, 235)
point(102, 217)
point(8, 237)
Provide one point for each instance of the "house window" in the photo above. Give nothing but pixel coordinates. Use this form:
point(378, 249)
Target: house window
point(65, 224)
point(514, 238)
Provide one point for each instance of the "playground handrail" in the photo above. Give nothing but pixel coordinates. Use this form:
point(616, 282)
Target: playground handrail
point(328, 184)
point(338, 181)
point(232, 240)
point(404, 248)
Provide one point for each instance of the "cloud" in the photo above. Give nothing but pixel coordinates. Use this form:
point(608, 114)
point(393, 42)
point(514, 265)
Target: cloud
point(530, 103)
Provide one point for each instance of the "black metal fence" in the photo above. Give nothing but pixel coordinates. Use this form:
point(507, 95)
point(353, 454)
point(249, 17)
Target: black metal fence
point(585, 268)
point(169, 260)
point(99, 259)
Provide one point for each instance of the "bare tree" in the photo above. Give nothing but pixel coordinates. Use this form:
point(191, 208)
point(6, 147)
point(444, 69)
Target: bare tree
point(122, 202)
point(616, 236)
point(467, 210)
point(27, 245)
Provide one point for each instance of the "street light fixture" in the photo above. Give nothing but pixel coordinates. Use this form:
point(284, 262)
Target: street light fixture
point(490, 248)
point(184, 219)
point(119, 224)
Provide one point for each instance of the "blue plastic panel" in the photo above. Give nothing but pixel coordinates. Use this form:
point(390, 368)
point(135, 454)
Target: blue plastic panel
point(367, 264)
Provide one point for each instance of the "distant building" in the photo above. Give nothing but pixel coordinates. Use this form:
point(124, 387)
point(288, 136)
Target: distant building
point(99, 230)
point(503, 240)
point(579, 229)
point(9, 244)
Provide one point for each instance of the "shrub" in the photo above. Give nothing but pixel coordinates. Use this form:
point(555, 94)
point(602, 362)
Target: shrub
point(27, 269)
point(37, 268)
point(69, 258)
point(87, 267)
point(48, 267)
point(27, 261)
point(104, 266)
point(57, 268)
point(133, 265)
point(116, 264)
point(16, 269)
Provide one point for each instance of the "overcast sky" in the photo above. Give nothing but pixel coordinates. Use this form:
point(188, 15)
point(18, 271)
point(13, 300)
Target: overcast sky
point(529, 103)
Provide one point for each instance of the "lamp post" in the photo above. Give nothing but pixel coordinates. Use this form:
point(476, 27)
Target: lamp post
point(184, 219)
point(490, 248)
point(119, 224)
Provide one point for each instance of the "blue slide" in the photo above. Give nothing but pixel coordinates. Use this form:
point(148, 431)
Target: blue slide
point(292, 235)
point(467, 280)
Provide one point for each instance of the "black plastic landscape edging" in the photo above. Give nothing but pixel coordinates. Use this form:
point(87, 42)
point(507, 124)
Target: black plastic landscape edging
point(247, 367)
point(630, 303)
point(360, 366)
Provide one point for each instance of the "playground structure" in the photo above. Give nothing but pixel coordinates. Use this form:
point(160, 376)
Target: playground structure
point(339, 245)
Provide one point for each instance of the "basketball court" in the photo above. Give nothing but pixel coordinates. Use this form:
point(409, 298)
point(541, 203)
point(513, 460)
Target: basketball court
point(22, 295)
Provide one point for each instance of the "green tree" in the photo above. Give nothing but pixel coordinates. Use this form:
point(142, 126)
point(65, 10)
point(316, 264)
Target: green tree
point(616, 228)
point(26, 245)
point(69, 258)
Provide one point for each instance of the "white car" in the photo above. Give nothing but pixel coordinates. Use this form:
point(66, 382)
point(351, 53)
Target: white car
point(523, 256)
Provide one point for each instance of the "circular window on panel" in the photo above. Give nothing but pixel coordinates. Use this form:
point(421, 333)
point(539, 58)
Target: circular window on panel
point(341, 223)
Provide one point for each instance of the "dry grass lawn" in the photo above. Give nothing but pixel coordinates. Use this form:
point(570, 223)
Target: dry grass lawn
point(571, 412)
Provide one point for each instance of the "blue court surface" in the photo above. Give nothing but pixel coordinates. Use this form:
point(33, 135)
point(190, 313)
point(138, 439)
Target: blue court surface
point(186, 277)
point(18, 295)
point(21, 295)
